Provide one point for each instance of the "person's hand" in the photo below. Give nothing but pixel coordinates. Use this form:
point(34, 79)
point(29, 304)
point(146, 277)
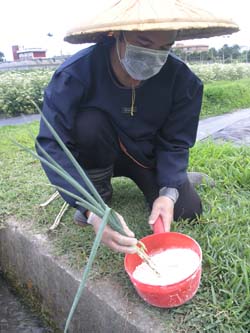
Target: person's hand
point(113, 239)
point(163, 206)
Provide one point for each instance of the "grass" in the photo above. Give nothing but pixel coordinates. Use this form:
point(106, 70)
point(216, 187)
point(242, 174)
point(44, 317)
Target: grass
point(224, 96)
point(223, 300)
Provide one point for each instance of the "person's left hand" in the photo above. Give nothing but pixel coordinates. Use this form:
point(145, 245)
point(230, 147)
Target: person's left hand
point(163, 206)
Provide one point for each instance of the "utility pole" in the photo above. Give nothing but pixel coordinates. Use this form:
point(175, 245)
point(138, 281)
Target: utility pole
point(247, 49)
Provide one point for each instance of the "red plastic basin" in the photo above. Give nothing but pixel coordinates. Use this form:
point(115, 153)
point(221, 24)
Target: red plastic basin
point(172, 295)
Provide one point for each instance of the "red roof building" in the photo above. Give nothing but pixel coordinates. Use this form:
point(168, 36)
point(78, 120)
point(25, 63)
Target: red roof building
point(191, 48)
point(27, 54)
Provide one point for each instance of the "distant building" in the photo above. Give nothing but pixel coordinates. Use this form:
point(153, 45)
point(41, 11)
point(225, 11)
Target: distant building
point(15, 48)
point(27, 53)
point(191, 48)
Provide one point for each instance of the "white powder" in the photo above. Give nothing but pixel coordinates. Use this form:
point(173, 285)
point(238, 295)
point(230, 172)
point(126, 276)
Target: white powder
point(174, 265)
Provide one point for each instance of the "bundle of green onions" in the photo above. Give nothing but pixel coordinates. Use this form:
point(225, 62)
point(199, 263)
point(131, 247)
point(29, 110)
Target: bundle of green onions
point(92, 202)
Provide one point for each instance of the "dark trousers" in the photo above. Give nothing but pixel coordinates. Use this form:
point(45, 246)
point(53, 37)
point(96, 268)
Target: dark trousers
point(98, 147)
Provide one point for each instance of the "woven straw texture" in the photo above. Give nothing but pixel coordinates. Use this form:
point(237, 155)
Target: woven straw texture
point(143, 15)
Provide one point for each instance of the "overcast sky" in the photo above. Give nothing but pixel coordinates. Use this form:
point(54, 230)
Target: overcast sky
point(27, 22)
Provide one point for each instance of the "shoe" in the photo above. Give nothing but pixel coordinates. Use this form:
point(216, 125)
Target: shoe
point(101, 179)
point(198, 178)
point(80, 219)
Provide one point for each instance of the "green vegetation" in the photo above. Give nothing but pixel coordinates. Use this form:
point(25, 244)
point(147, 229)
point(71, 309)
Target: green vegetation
point(18, 88)
point(225, 96)
point(1, 56)
point(90, 200)
point(226, 55)
point(218, 72)
point(223, 300)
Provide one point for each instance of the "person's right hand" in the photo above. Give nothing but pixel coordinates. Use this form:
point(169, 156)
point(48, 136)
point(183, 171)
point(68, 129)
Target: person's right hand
point(113, 239)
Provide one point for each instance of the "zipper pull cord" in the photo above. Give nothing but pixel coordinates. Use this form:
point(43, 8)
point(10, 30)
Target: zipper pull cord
point(132, 102)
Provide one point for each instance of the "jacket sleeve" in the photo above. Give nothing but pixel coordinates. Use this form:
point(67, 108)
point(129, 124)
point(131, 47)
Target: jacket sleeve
point(61, 102)
point(179, 131)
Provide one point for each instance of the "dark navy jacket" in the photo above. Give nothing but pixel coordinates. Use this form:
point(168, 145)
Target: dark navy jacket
point(159, 134)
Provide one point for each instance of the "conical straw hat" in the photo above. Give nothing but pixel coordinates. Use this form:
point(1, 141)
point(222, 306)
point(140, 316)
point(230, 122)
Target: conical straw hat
point(143, 15)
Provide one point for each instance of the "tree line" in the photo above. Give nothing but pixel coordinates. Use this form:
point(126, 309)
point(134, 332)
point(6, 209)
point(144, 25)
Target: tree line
point(226, 54)
point(1, 56)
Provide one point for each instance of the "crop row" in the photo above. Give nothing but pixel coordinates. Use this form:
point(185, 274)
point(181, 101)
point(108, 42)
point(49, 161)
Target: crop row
point(19, 88)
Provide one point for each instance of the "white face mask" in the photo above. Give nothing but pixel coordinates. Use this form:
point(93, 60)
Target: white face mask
point(142, 63)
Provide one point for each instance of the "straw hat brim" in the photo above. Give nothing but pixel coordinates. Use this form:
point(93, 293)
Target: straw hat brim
point(153, 15)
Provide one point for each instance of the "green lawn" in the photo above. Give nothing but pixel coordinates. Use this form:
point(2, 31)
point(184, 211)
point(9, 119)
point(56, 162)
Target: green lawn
point(222, 303)
point(224, 96)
